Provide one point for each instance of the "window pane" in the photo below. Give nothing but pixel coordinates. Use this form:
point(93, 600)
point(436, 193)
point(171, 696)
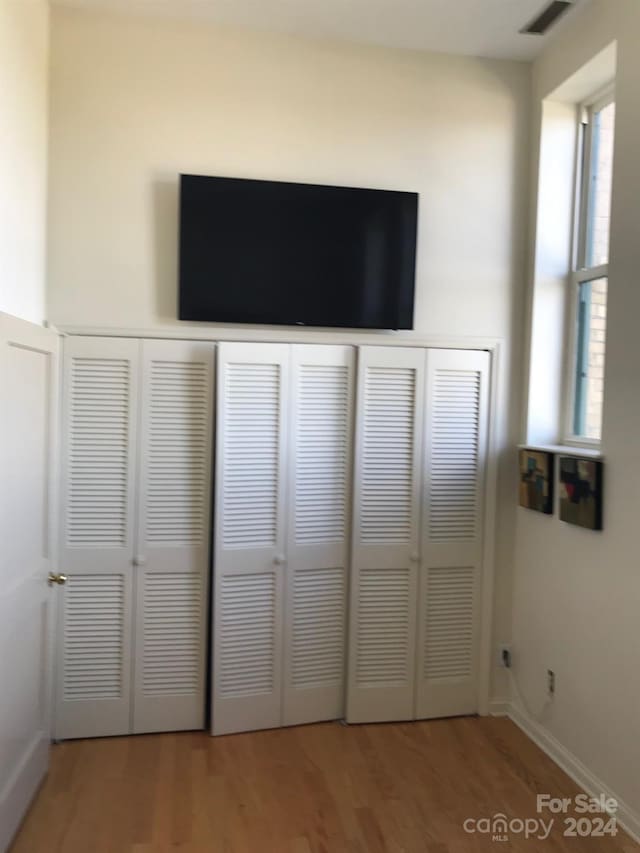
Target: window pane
point(590, 351)
point(601, 172)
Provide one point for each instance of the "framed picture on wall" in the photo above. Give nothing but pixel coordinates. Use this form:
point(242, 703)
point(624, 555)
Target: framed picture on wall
point(581, 492)
point(536, 480)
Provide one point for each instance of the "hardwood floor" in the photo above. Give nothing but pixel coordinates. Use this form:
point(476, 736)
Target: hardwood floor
point(314, 789)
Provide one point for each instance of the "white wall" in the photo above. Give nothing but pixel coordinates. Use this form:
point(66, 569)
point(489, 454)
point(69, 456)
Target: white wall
point(136, 101)
point(577, 592)
point(24, 45)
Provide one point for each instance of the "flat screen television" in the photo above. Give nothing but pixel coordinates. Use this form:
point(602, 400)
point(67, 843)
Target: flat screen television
point(296, 254)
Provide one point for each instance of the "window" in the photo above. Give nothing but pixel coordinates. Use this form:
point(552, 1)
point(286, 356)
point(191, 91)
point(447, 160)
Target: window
point(591, 270)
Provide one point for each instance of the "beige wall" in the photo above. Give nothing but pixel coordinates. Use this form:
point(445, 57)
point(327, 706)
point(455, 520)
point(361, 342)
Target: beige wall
point(577, 592)
point(136, 101)
point(24, 44)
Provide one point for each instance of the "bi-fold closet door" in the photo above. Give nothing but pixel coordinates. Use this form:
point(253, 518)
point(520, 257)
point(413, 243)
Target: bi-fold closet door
point(135, 529)
point(281, 533)
point(419, 469)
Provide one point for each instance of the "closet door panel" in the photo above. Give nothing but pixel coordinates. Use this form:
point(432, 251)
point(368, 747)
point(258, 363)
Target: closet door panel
point(457, 394)
point(387, 476)
point(174, 524)
point(249, 536)
point(319, 476)
point(94, 638)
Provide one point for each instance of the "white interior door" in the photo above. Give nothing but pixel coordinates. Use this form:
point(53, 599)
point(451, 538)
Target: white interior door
point(387, 479)
point(94, 642)
point(457, 395)
point(319, 475)
point(28, 380)
point(173, 532)
point(252, 390)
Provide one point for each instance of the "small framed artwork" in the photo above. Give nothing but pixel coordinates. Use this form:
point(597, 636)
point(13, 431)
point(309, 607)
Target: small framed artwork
point(536, 480)
point(581, 492)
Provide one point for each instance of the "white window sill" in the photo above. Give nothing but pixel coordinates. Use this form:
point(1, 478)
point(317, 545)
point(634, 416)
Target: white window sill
point(565, 450)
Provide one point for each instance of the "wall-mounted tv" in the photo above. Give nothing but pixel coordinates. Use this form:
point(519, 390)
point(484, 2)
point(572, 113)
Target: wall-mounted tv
point(296, 254)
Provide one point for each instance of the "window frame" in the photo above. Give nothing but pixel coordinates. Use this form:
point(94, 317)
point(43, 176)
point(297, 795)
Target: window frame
point(580, 273)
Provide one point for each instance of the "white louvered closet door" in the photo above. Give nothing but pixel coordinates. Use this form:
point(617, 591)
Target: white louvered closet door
point(387, 478)
point(172, 548)
point(249, 553)
point(457, 395)
point(96, 538)
point(318, 522)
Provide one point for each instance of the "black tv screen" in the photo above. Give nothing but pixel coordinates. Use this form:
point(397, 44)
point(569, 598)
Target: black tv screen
point(296, 254)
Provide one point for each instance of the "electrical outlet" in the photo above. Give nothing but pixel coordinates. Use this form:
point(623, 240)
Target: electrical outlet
point(551, 682)
point(505, 656)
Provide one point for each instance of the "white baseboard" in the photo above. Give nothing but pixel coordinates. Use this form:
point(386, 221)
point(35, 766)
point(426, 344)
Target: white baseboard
point(499, 708)
point(20, 789)
point(627, 818)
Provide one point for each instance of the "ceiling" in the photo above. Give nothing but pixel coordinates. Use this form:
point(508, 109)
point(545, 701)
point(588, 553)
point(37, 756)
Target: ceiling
point(471, 27)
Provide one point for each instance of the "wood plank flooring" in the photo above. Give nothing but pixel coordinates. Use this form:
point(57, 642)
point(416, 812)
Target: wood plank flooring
point(395, 788)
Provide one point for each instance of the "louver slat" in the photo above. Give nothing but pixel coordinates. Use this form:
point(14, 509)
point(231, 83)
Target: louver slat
point(174, 527)
point(453, 498)
point(98, 423)
point(387, 478)
point(250, 463)
point(172, 635)
point(247, 635)
point(98, 462)
point(450, 612)
point(93, 646)
point(318, 628)
point(383, 628)
point(177, 454)
point(387, 456)
point(249, 545)
point(321, 459)
point(452, 548)
point(319, 423)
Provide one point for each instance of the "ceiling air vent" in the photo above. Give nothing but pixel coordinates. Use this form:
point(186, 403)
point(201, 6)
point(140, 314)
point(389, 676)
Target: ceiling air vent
point(548, 17)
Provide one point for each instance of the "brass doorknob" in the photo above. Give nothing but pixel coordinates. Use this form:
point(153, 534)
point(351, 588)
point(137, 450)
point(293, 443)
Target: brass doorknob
point(59, 579)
